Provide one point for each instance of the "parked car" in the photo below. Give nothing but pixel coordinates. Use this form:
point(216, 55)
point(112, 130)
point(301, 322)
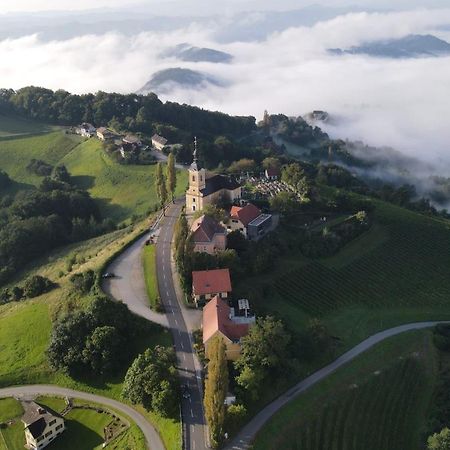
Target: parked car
point(108, 275)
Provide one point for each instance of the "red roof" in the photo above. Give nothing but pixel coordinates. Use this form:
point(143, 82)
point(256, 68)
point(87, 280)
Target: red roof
point(205, 228)
point(211, 281)
point(245, 214)
point(273, 172)
point(216, 317)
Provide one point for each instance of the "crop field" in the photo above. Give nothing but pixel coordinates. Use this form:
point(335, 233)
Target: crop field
point(378, 402)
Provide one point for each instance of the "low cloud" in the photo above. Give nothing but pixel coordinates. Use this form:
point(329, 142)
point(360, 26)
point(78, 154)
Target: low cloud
point(398, 103)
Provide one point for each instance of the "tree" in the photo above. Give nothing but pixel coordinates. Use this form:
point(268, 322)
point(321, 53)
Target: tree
point(60, 173)
point(271, 163)
point(5, 181)
point(152, 381)
point(103, 349)
point(171, 175)
point(243, 165)
point(216, 388)
point(439, 441)
point(284, 202)
point(264, 353)
point(161, 189)
point(37, 285)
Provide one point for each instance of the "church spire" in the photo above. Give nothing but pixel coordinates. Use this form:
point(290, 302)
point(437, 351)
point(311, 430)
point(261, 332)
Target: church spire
point(195, 165)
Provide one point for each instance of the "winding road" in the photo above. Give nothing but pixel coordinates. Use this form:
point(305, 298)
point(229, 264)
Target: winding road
point(32, 391)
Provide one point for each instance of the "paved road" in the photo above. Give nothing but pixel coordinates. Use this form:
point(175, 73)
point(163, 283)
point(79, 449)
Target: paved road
point(192, 408)
point(129, 283)
point(244, 439)
point(152, 437)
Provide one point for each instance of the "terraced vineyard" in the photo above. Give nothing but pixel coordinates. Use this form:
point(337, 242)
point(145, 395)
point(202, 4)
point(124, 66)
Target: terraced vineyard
point(379, 415)
point(410, 269)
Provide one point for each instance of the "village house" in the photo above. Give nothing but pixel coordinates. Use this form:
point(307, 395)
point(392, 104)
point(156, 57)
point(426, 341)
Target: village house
point(104, 134)
point(42, 425)
point(272, 174)
point(208, 236)
point(206, 284)
point(205, 189)
point(158, 142)
point(85, 130)
point(231, 324)
point(132, 140)
point(250, 221)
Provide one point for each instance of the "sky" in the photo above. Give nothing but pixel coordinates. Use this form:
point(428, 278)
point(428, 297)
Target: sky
point(208, 6)
point(398, 103)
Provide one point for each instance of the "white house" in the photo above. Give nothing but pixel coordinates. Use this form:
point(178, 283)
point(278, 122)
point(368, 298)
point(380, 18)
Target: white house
point(158, 142)
point(42, 425)
point(86, 130)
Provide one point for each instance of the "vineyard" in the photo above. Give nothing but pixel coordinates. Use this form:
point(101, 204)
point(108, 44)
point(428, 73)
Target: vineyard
point(379, 415)
point(409, 268)
point(379, 402)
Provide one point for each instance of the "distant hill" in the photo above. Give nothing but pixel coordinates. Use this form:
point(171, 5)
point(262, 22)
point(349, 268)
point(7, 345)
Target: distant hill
point(166, 80)
point(186, 52)
point(412, 46)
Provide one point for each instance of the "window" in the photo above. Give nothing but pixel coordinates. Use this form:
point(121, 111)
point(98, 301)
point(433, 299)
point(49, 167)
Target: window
point(48, 434)
point(52, 422)
point(193, 200)
point(193, 177)
point(201, 178)
point(39, 439)
point(193, 207)
point(59, 427)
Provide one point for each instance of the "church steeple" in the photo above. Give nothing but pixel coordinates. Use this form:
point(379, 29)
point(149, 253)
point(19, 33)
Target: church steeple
point(195, 165)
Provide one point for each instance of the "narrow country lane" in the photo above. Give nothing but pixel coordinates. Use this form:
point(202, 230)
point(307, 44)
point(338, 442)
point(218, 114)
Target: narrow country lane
point(192, 408)
point(151, 435)
point(246, 436)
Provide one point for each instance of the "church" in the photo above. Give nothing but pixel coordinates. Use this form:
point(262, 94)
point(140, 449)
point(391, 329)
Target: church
point(205, 189)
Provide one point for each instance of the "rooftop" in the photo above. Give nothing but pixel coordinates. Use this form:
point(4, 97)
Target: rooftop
point(218, 182)
point(204, 228)
point(216, 317)
point(211, 281)
point(161, 140)
point(36, 417)
point(245, 214)
point(260, 219)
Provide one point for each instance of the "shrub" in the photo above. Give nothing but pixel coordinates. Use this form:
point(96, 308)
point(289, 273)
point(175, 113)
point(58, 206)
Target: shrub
point(37, 285)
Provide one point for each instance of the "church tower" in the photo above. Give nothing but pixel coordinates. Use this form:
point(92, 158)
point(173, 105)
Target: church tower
point(197, 182)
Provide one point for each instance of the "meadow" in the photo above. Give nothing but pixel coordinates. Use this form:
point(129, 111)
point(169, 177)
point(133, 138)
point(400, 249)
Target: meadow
point(151, 279)
point(377, 402)
point(121, 191)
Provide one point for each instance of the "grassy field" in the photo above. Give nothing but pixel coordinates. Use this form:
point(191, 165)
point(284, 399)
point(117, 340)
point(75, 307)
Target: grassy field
point(120, 190)
point(396, 272)
point(12, 437)
point(151, 281)
point(377, 402)
point(10, 408)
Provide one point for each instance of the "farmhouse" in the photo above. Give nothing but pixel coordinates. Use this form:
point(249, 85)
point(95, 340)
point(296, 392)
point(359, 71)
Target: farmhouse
point(208, 236)
point(206, 284)
point(104, 134)
point(85, 130)
point(205, 189)
point(219, 319)
point(42, 425)
point(158, 142)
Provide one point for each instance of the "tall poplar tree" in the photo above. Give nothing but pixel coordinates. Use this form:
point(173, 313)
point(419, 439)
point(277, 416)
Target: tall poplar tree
point(171, 175)
point(216, 388)
point(161, 189)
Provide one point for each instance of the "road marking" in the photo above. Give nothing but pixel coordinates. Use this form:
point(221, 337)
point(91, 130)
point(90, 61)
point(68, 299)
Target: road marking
point(192, 414)
point(193, 444)
point(182, 346)
point(168, 293)
point(176, 323)
point(184, 356)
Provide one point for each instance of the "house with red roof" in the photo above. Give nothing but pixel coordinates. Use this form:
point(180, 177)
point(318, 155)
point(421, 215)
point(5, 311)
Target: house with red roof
point(220, 319)
point(207, 284)
point(250, 221)
point(272, 173)
point(208, 236)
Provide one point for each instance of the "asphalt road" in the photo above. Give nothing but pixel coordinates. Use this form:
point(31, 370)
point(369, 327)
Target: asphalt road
point(192, 408)
point(246, 436)
point(129, 284)
point(26, 392)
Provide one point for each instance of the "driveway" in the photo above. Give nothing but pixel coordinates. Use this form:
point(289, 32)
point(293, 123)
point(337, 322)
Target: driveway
point(27, 392)
point(246, 436)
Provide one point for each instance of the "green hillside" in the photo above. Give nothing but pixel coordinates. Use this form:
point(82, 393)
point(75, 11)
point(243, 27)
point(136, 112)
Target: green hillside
point(396, 272)
point(378, 402)
point(121, 190)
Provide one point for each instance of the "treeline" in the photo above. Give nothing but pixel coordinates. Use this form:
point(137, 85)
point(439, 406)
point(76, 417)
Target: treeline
point(36, 221)
point(131, 112)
